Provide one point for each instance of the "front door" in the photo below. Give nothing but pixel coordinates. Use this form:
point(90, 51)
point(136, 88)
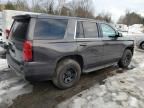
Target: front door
point(113, 47)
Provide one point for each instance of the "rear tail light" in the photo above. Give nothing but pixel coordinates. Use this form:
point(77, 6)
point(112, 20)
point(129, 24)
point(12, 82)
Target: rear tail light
point(7, 32)
point(27, 51)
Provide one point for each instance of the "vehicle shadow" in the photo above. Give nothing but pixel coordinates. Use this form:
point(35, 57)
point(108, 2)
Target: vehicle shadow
point(46, 95)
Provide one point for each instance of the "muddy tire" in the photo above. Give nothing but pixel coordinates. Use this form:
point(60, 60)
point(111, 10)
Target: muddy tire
point(67, 74)
point(126, 59)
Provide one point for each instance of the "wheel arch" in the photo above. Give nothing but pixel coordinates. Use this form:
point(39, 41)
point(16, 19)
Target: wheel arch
point(131, 48)
point(77, 58)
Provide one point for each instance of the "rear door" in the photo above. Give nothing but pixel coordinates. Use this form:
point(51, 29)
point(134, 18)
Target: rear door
point(49, 43)
point(90, 46)
point(17, 36)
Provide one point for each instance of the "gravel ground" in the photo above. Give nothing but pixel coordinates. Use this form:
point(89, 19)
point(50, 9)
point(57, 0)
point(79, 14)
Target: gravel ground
point(45, 95)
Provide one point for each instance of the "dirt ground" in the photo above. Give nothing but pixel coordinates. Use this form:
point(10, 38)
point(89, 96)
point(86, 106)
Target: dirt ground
point(45, 95)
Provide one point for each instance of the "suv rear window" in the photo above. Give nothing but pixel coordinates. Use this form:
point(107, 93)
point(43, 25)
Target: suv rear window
point(50, 28)
point(19, 30)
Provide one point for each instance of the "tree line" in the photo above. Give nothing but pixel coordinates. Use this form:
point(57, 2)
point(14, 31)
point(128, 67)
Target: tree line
point(131, 18)
point(76, 8)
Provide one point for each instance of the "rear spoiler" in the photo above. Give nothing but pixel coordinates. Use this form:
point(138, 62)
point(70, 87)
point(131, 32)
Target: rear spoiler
point(26, 16)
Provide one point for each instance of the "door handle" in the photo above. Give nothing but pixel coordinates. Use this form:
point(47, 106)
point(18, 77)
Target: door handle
point(83, 44)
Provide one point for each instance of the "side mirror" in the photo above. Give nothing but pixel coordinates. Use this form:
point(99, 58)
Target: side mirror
point(119, 35)
point(112, 36)
point(116, 36)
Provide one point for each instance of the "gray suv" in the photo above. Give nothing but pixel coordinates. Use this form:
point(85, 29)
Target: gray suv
point(60, 48)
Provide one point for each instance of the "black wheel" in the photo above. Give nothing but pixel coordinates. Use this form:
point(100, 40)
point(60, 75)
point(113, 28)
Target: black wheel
point(67, 74)
point(126, 59)
point(142, 45)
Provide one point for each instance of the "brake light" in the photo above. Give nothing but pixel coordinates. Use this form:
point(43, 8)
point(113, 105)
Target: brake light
point(27, 51)
point(7, 32)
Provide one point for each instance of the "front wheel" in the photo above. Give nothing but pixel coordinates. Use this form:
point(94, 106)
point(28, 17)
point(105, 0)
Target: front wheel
point(68, 73)
point(126, 59)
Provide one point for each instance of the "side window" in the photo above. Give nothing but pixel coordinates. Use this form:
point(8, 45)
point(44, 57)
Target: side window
point(90, 30)
point(107, 30)
point(79, 32)
point(50, 28)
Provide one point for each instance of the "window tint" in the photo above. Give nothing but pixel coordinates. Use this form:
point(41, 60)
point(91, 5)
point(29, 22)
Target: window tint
point(19, 30)
point(79, 33)
point(90, 30)
point(50, 28)
point(107, 30)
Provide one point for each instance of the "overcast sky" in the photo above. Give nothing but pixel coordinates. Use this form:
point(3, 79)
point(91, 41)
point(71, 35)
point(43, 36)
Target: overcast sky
point(116, 7)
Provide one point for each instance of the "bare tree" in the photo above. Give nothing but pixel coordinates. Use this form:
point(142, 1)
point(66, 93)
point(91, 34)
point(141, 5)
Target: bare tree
point(85, 8)
point(86, 5)
point(22, 5)
point(65, 11)
point(104, 17)
point(131, 18)
point(49, 6)
point(37, 6)
point(60, 6)
point(73, 6)
point(82, 8)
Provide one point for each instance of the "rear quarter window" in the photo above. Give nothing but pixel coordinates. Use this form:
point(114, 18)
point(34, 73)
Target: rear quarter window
point(50, 28)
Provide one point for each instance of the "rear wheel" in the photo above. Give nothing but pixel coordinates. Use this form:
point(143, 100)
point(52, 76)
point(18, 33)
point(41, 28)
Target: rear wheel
point(126, 59)
point(68, 73)
point(142, 45)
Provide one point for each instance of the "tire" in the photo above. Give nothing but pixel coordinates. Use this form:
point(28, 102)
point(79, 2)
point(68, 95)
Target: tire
point(67, 74)
point(126, 59)
point(142, 45)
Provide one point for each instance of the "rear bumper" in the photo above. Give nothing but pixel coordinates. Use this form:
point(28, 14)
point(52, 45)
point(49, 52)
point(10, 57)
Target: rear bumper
point(32, 70)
